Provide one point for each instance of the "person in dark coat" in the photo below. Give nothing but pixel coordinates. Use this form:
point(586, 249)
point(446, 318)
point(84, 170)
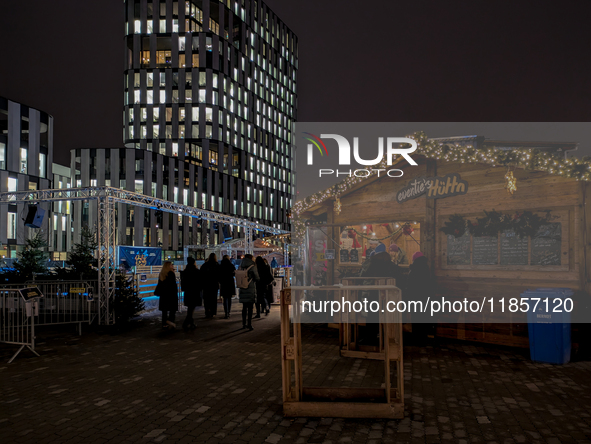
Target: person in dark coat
point(169, 297)
point(227, 284)
point(191, 287)
point(247, 296)
point(210, 283)
point(265, 279)
point(269, 296)
point(380, 266)
point(420, 287)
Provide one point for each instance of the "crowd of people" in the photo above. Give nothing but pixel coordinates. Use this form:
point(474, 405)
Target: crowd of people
point(253, 280)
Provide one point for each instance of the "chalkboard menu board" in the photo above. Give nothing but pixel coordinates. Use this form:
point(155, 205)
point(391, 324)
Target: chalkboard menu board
point(458, 250)
point(344, 256)
point(354, 256)
point(514, 249)
point(546, 245)
point(485, 250)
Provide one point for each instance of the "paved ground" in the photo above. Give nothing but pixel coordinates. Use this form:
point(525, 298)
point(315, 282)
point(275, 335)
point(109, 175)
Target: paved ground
point(220, 384)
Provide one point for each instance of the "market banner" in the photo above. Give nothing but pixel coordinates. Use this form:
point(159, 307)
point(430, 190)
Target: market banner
point(139, 256)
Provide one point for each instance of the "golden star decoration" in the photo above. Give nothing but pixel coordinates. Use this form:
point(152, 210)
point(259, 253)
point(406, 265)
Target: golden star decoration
point(510, 182)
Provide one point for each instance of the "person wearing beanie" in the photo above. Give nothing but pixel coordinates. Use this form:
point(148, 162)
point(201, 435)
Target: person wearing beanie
point(417, 255)
point(397, 254)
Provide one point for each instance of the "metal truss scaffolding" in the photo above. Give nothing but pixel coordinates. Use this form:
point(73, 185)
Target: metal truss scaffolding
point(107, 197)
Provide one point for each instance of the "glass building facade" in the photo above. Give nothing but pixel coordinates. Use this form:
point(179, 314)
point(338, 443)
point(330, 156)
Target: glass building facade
point(26, 156)
point(209, 107)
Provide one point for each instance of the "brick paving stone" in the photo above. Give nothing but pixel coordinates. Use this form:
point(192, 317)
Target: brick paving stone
point(220, 384)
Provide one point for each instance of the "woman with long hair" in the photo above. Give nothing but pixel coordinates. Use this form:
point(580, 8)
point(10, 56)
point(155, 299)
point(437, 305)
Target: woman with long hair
point(227, 284)
point(247, 296)
point(191, 287)
point(210, 282)
point(168, 292)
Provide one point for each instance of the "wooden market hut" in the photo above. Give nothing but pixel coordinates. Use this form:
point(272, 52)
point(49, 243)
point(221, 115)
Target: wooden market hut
point(469, 181)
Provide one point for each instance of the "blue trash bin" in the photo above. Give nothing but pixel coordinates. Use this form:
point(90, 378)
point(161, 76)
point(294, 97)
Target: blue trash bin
point(549, 331)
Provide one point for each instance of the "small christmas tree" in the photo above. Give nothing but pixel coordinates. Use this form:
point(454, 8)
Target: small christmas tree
point(33, 259)
point(127, 303)
point(82, 257)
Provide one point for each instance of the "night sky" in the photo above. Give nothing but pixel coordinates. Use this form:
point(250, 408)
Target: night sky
point(383, 61)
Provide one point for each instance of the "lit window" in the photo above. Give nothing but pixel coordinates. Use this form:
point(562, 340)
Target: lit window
point(42, 165)
point(12, 184)
point(164, 58)
point(11, 226)
point(138, 27)
point(2, 156)
point(23, 163)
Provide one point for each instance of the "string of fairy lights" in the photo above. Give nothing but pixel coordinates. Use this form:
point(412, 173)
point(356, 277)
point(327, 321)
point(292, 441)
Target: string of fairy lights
point(529, 159)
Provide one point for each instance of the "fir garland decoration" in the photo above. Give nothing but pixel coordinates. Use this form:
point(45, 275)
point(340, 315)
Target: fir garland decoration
point(490, 225)
point(456, 226)
point(524, 224)
point(528, 224)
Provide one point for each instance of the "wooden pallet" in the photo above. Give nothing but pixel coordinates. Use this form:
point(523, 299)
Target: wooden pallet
point(339, 402)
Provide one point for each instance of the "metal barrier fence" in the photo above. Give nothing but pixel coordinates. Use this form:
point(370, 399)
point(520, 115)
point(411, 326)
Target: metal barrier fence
point(70, 302)
point(67, 302)
point(17, 323)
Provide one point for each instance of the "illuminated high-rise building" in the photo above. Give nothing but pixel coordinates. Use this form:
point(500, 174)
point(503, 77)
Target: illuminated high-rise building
point(210, 103)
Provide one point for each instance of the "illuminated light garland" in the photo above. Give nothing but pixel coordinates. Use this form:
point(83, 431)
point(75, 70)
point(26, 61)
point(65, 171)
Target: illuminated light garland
point(528, 159)
point(372, 238)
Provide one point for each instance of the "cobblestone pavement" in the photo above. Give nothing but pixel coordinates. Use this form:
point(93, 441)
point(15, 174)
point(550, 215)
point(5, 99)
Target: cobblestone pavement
point(221, 384)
